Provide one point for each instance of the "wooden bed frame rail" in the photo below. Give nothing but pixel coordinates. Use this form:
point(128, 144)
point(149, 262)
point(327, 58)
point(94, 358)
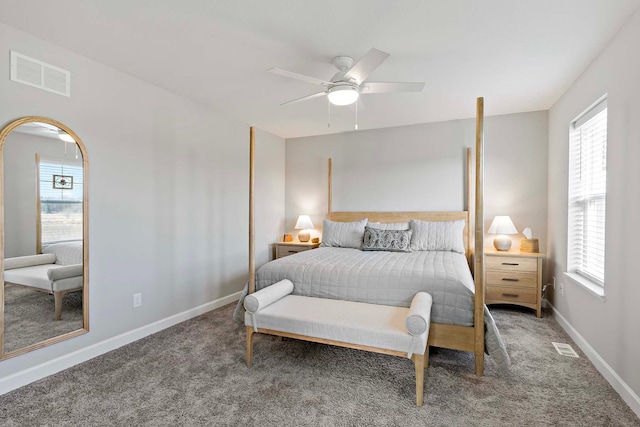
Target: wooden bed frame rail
point(466, 338)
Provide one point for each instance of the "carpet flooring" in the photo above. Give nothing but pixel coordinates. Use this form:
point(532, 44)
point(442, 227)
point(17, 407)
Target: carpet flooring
point(30, 316)
point(194, 374)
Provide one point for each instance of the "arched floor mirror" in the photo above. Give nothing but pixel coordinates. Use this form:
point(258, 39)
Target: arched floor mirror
point(44, 256)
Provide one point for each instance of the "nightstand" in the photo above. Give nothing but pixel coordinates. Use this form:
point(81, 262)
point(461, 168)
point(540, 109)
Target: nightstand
point(284, 249)
point(513, 277)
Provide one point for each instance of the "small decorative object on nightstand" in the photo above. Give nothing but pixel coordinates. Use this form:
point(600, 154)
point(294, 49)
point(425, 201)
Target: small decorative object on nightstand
point(514, 278)
point(304, 224)
point(501, 226)
point(284, 249)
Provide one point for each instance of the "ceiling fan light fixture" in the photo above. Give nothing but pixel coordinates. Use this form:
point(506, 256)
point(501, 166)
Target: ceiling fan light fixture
point(65, 136)
point(343, 95)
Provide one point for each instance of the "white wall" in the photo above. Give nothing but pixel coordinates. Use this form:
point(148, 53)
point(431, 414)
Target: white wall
point(269, 194)
point(422, 167)
point(611, 326)
point(168, 192)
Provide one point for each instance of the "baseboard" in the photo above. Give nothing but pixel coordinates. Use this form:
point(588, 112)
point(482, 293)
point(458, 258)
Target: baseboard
point(51, 367)
point(628, 395)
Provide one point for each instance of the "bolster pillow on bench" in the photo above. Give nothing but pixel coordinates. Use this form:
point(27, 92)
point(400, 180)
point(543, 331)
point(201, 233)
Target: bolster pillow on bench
point(65, 272)
point(262, 298)
point(28, 261)
point(419, 315)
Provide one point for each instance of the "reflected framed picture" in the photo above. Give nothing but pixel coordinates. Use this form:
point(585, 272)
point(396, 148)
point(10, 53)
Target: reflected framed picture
point(62, 182)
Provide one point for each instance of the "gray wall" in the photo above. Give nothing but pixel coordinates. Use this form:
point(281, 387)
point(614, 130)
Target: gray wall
point(611, 326)
point(422, 167)
point(168, 191)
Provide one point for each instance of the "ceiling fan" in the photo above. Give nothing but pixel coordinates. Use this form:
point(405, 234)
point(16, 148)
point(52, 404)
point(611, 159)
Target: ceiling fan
point(350, 81)
point(47, 130)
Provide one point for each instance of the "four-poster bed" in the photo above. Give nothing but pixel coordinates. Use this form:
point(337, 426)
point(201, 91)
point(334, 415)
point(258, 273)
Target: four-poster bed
point(468, 335)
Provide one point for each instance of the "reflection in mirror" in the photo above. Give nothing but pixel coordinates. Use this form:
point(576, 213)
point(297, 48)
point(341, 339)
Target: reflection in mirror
point(44, 206)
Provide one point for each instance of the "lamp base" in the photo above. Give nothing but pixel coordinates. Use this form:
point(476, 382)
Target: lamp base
point(304, 236)
point(502, 243)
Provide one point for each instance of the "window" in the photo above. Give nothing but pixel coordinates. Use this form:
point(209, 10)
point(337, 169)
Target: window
point(587, 194)
point(60, 189)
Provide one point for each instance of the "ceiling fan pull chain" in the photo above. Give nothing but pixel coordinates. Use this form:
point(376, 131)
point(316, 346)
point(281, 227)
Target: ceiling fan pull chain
point(356, 114)
point(329, 109)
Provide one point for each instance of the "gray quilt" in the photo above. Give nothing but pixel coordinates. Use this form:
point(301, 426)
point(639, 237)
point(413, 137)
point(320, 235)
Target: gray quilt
point(388, 278)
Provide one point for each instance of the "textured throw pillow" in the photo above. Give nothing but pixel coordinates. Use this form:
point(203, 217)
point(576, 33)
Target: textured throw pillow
point(343, 234)
point(437, 235)
point(386, 240)
point(389, 225)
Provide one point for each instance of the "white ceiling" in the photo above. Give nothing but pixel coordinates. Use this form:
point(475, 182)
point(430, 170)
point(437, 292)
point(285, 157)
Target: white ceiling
point(521, 55)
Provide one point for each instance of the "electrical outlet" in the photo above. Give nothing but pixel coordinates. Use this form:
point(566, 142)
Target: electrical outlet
point(137, 300)
point(561, 288)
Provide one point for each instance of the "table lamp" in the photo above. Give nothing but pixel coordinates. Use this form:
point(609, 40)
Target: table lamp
point(304, 224)
point(502, 225)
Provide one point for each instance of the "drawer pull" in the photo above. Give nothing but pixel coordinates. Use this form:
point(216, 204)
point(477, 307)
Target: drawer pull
point(510, 263)
point(293, 252)
point(508, 279)
point(510, 295)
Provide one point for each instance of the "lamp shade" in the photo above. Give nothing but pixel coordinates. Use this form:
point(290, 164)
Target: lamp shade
point(502, 224)
point(303, 222)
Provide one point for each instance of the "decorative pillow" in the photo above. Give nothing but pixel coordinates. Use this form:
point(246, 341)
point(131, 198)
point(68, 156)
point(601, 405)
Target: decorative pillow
point(343, 234)
point(386, 240)
point(437, 236)
point(389, 225)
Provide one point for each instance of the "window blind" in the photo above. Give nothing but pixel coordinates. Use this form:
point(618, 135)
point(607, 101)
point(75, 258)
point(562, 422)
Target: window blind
point(587, 194)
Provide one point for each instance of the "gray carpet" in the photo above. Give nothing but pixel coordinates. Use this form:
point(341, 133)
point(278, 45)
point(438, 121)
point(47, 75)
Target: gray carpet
point(194, 374)
point(30, 316)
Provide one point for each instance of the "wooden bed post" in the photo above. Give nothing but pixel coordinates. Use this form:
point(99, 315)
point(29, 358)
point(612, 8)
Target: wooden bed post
point(478, 276)
point(252, 230)
point(470, 208)
point(329, 195)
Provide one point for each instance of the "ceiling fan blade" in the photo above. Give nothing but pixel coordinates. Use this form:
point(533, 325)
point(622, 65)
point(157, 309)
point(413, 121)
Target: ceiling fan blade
point(365, 66)
point(300, 77)
point(391, 87)
point(304, 98)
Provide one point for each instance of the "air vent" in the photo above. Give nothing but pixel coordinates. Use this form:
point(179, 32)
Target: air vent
point(30, 71)
point(565, 349)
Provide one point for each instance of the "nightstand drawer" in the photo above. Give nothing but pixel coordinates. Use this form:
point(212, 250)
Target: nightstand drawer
point(507, 263)
point(284, 249)
point(510, 294)
point(512, 278)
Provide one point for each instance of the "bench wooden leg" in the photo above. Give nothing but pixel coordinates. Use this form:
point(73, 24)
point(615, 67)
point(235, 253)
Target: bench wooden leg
point(249, 345)
point(479, 362)
point(57, 298)
point(418, 360)
point(426, 357)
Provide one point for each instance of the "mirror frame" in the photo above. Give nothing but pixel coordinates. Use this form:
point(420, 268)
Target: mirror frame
point(4, 133)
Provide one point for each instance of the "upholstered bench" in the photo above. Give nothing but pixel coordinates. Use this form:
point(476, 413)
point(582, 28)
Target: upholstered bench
point(397, 331)
point(57, 270)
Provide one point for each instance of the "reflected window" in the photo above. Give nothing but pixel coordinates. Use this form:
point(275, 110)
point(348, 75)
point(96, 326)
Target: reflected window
point(60, 189)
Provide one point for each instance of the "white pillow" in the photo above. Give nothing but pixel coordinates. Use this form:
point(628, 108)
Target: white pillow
point(389, 225)
point(437, 235)
point(343, 234)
